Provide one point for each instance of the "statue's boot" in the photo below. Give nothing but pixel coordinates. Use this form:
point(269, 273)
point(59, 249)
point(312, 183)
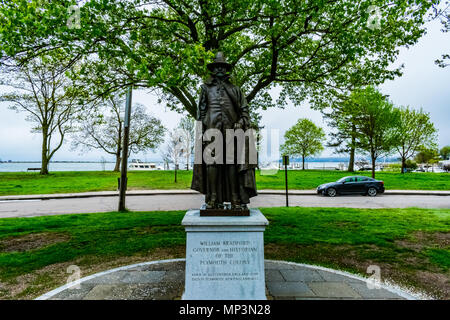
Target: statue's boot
point(235, 202)
point(244, 206)
point(212, 203)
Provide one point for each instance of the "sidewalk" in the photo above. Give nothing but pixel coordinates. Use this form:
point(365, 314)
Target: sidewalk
point(188, 191)
point(164, 280)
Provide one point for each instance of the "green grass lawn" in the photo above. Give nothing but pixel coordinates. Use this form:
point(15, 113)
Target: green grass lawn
point(411, 246)
point(66, 182)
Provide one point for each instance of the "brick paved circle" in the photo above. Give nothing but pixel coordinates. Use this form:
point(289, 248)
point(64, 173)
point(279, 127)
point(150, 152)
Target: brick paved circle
point(164, 280)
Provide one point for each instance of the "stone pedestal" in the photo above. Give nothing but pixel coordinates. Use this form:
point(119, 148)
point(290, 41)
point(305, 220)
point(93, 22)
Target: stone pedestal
point(224, 257)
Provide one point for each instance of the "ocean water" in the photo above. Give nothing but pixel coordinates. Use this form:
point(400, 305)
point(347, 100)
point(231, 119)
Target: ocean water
point(56, 166)
point(320, 165)
point(109, 166)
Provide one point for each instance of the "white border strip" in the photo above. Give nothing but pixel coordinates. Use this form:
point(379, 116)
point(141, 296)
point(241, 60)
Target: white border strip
point(393, 288)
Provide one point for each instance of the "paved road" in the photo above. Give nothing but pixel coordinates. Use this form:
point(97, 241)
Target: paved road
point(30, 208)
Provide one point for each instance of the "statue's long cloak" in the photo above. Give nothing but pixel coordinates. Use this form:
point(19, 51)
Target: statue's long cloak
point(246, 171)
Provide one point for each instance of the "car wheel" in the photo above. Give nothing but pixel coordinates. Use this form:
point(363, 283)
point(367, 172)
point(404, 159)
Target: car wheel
point(372, 192)
point(331, 192)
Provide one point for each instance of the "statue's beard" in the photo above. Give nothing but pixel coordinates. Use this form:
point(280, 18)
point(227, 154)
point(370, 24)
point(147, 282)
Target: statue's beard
point(220, 75)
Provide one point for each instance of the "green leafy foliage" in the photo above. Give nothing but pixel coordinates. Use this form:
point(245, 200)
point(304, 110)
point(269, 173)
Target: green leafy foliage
point(47, 96)
point(414, 129)
point(441, 11)
point(310, 49)
point(303, 139)
point(410, 164)
point(373, 119)
point(102, 127)
point(427, 155)
point(445, 152)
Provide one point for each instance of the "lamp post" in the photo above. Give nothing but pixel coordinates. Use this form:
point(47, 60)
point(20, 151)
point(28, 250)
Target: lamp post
point(286, 163)
point(126, 135)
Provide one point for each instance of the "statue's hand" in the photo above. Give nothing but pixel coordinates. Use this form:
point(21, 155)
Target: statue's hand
point(239, 124)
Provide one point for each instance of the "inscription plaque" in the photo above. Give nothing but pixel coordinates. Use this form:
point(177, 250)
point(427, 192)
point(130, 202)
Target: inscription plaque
point(224, 257)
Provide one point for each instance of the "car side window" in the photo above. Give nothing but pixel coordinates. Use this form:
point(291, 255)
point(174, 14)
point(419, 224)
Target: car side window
point(362, 179)
point(349, 180)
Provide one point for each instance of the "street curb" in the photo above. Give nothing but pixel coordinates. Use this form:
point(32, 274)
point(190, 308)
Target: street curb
point(186, 192)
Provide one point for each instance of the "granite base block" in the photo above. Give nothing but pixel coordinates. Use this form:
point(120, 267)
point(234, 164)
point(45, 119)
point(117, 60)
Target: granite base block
point(224, 257)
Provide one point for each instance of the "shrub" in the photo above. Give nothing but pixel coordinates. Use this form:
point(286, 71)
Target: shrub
point(392, 167)
point(411, 165)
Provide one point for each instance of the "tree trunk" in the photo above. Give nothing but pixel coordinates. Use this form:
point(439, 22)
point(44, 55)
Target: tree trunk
point(117, 166)
point(44, 166)
point(373, 166)
point(175, 173)
point(351, 163)
point(119, 149)
point(403, 165)
point(187, 162)
point(303, 162)
point(44, 158)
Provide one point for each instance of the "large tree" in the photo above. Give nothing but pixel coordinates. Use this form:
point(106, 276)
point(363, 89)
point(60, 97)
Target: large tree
point(310, 49)
point(445, 153)
point(48, 98)
point(343, 139)
point(414, 129)
point(428, 156)
point(375, 120)
point(303, 139)
point(442, 12)
point(102, 128)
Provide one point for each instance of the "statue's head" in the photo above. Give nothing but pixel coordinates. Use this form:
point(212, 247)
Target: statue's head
point(219, 67)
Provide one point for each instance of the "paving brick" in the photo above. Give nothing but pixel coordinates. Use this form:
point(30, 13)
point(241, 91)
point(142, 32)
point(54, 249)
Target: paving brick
point(166, 281)
point(174, 276)
point(144, 276)
point(110, 278)
point(289, 289)
point(333, 290)
point(333, 277)
point(157, 291)
point(167, 266)
point(73, 293)
point(305, 275)
point(367, 293)
point(273, 275)
point(109, 292)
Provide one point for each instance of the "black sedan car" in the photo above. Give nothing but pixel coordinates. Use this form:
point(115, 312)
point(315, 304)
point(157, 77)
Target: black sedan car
point(352, 185)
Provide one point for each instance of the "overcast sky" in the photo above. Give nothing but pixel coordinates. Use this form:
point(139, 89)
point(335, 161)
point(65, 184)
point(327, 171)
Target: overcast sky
point(423, 85)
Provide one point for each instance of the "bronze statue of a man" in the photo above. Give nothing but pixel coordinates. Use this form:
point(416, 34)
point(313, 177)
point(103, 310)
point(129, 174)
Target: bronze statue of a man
point(222, 106)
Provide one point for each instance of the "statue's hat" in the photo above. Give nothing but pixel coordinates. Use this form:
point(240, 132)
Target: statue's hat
point(219, 60)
